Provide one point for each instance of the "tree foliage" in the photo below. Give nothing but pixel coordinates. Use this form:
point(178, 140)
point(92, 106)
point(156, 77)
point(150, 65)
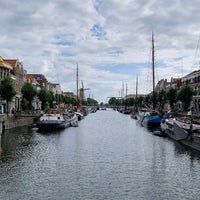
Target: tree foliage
point(44, 96)
point(112, 101)
point(185, 96)
point(28, 93)
point(51, 99)
point(25, 104)
point(129, 102)
point(172, 96)
point(147, 100)
point(7, 90)
point(139, 101)
point(92, 102)
point(154, 99)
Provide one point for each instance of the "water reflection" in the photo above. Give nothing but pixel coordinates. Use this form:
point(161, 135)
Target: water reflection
point(12, 141)
point(107, 157)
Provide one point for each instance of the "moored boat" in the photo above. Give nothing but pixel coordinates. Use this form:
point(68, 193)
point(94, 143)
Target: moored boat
point(133, 115)
point(193, 135)
point(79, 115)
point(174, 129)
point(143, 112)
point(185, 132)
point(73, 121)
point(51, 122)
point(71, 118)
point(193, 142)
point(152, 120)
point(127, 110)
point(55, 120)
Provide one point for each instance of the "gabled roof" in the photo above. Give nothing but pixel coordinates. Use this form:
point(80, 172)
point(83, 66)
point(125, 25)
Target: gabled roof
point(32, 79)
point(39, 77)
point(176, 80)
point(5, 64)
point(11, 61)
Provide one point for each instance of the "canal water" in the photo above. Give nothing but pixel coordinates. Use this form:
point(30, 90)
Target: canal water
point(108, 156)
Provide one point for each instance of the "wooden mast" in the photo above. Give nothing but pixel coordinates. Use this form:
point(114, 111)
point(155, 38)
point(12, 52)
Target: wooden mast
point(136, 90)
point(77, 98)
point(153, 61)
point(153, 71)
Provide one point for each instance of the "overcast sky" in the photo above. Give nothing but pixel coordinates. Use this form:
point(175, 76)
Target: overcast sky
point(110, 40)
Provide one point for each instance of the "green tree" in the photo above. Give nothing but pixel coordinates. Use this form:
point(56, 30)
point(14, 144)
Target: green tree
point(68, 100)
point(112, 101)
point(139, 101)
point(74, 102)
point(84, 102)
point(162, 95)
point(28, 93)
point(185, 96)
point(7, 90)
point(171, 96)
point(92, 102)
point(43, 96)
point(118, 102)
point(147, 100)
point(25, 104)
point(51, 99)
point(129, 101)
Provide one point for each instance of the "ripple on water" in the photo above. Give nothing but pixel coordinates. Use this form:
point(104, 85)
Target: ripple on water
point(108, 156)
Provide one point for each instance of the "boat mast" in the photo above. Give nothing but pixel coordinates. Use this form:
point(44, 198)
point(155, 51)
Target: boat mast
point(136, 92)
point(122, 90)
point(77, 84)
point(126, 91)
point(153, 61)
point(153, 71)
point(136, 95)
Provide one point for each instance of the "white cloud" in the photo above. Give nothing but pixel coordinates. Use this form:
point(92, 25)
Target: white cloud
point(51, 37)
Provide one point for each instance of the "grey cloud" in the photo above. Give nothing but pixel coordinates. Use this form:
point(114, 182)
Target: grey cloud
point(52, 36)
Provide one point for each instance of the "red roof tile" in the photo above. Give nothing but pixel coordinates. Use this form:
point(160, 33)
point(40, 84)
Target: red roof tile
point(11, 61)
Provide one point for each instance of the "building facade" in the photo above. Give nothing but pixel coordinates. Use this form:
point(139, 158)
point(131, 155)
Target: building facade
point(18, 75)
point(5, 71)
point(193, 79)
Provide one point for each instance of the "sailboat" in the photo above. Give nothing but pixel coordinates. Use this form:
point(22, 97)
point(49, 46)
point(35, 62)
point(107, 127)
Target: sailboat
point(153, 119)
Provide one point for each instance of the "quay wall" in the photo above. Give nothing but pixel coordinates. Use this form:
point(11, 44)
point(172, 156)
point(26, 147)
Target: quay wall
point(13, 121)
